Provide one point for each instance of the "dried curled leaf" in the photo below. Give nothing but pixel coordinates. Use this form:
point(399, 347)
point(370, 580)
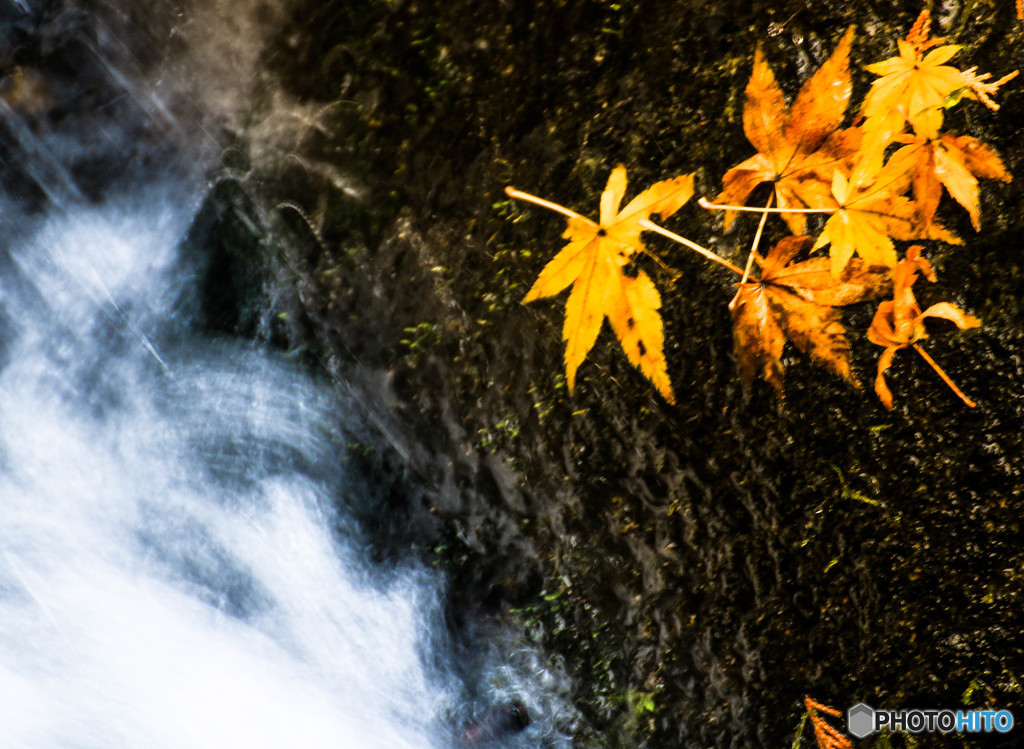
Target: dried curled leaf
point(797, 301)
point(593, 262)
point(800, 146)
point(900, 323)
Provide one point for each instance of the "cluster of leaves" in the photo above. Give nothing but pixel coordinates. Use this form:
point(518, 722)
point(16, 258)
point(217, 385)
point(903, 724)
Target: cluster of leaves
point(879, 181)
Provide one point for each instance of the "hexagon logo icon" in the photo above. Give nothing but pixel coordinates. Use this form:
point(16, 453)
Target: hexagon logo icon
point(860, 720)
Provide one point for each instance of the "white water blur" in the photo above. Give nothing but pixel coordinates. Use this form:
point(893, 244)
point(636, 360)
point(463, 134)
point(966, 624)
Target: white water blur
point(172, 571)
point(168, 576)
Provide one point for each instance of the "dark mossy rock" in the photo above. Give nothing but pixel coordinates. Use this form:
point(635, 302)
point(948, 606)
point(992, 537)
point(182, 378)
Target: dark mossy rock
point(700, 568)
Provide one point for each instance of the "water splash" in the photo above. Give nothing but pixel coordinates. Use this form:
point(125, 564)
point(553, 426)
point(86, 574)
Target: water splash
point(168, 568)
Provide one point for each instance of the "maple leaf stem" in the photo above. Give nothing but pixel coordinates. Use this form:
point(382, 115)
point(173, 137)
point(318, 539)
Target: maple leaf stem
point(519, 195)
point(757, 239)
point(945, 377)
point(705, 203)
point(753, 249)
point(692, 245)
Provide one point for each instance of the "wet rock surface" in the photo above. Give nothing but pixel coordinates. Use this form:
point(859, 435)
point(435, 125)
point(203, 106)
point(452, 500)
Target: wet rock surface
point(697, 568)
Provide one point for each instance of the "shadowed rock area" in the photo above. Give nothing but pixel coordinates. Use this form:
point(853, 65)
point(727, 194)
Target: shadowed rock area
point(697, 568)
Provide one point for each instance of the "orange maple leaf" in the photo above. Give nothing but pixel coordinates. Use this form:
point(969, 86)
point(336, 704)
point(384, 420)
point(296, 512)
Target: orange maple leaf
point(950, 161)
point(798, 301)
point(825, 735)
point(799, 146)
point(872, 211)
point(900, 323)
point(592, 263)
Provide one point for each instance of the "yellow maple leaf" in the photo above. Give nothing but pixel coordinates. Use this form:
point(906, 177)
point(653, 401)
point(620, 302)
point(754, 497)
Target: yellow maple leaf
point(593, 264)
point(914, 86)
point(872, 211)
point(798, 146)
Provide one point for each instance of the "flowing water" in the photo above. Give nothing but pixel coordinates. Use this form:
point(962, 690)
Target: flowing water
point(172, 570)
